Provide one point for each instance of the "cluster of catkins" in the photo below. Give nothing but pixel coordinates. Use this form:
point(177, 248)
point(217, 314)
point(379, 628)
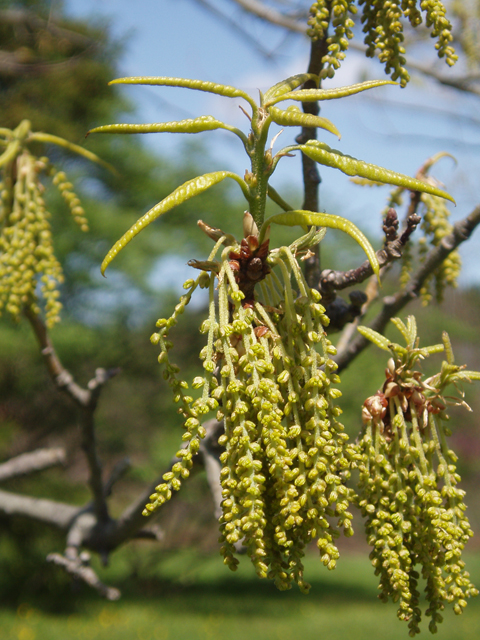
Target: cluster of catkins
point(408, 493)
point(270, 376)
point(383, 28)
point(436, 225)
point(28, 265)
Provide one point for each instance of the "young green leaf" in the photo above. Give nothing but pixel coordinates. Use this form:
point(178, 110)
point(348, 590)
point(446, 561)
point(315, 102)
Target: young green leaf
point(374, 337)
point(307, 218)
point(323, 154)
point(403, 330)
point(294, 117)
point(50, 139)
point(188, 190)
point(196, 125)
point(285, 86)
point(312, 95)
point(198, 85)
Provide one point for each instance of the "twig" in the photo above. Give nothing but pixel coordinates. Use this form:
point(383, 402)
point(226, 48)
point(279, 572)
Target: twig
point(462, 230)
point(271, 15)
point(27, 463)
point(86, 399)
point(62, 378)
point(236, 26)
point(77, 565)
point(331, 281)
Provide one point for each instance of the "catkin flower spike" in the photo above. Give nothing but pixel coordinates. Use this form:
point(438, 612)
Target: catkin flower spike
point(30, 274)
point(414, 512)
point(383, 27)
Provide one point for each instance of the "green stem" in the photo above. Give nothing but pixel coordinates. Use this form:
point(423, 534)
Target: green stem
point(261, 167)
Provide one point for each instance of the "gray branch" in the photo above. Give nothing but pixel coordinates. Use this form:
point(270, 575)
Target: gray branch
point(277, 18)
point(86, 399)
point(77, 565)
point(462, 230)
point(55, 514)
point(31, 462)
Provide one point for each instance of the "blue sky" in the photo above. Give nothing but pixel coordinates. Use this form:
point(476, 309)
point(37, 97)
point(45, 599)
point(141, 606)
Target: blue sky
point(388, 126)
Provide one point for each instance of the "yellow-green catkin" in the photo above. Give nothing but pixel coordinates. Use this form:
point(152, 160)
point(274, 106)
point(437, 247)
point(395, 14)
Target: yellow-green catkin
point(339, 16)
point(383, 26)
point(29, 269)
point(467, 13)
point(414, 511)
point(436, 226)
point(286, 458)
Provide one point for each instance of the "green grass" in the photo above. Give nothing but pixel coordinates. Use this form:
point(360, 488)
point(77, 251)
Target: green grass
point(188, 596)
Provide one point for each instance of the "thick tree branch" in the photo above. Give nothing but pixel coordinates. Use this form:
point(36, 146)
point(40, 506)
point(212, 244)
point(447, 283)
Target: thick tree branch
point(310, 173)
point(55, 514)
point(30, 462)
point(462, 230)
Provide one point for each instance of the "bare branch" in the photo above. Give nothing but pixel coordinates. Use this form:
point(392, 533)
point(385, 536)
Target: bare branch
point(210, 451)
point(62, 378)
point(235, 26)
point(268, 14)
point(462, 230)
point(30, 462)
point(77, 565)
point(331, 281)
point(86, 399)
point(56, 514)
point(311, 176)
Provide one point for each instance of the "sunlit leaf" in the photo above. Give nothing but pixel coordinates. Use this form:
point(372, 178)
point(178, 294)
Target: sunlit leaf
point(374, 337)
point(323, 154)
point(198, 85)
point(294, 117)
point(188, 190)
point(312, 95)
point(285, 86)
point(307, 218)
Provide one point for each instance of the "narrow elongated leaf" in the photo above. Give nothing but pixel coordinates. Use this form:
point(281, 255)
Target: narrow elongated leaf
point(374, 337)
point(303, 218)
point(323, 154)
point(288, 85)
point(469, 375)
point(197, 125)
point(403, 330)
point(186, 191)
point(294, 117)
point(50, 139)
point(198, 85)
point(435, 348)
point(312, 95)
